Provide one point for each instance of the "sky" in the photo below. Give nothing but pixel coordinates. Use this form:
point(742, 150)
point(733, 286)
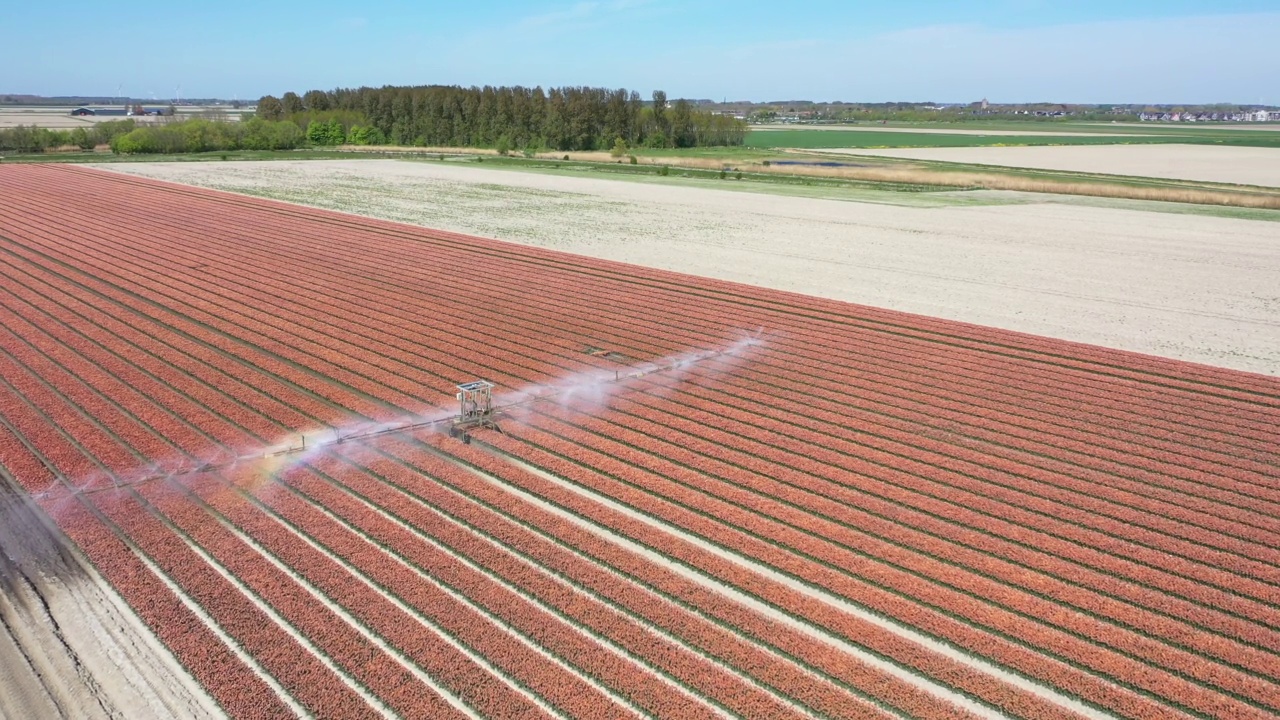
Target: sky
point(1081, 51)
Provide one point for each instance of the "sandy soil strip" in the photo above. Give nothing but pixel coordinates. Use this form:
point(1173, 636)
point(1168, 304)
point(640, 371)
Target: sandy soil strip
point(1207, 163)
point(943, 131)
point(272, 615)
point(904, 631)
point(1186, 287)
point(27, 690)
point(69, 644)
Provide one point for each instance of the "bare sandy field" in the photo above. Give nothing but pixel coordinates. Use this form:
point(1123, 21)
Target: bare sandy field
point(69, 645)
point(1198, 288)
point(50, 120)
point(942, 130)
point(1206, 163)
point(61, 118)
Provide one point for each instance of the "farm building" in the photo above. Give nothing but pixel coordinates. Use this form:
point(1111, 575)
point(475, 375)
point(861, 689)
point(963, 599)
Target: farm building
point(111, 111)
point(118, 111)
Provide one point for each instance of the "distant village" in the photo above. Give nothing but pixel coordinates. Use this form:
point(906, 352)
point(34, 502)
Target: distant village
point(1188, 116)
point(810, 112)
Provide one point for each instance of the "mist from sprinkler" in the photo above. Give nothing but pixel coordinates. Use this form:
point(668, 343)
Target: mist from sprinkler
point(590, 388)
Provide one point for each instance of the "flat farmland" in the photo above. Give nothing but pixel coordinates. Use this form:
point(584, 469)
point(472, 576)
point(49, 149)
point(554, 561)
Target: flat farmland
point(60, 118)
point(814, 138)
point(1207, 163)
point(51, 119)
point(940, 129)
point(700, 499)
point(1190, 287)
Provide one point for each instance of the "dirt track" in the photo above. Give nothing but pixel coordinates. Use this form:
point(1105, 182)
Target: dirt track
point(69, 646)
point(1188, 287)
point(1205, 163)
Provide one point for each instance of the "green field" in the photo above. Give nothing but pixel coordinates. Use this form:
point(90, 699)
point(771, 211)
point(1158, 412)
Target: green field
point(811, 138)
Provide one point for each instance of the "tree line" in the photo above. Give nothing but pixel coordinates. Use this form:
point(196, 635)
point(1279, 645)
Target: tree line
point(569, 118)
point(32, 139)
point(203, 135)
point(129, 137)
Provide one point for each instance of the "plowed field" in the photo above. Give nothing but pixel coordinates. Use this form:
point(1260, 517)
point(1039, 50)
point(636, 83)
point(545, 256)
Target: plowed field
point(704, 499)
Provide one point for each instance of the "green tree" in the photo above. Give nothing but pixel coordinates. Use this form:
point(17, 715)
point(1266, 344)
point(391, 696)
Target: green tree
point(559, 119)
point(660, 109)
point(292, 103)
point(270, 108)
point(326, 132)
point(318, 133)
point(317, 100)
point(619, 148)
point(80, 138)
point(682, 128)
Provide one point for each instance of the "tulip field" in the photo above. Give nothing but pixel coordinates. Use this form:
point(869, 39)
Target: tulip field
point(700, 499)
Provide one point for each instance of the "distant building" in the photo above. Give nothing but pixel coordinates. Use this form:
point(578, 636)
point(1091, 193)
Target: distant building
point(87, 111)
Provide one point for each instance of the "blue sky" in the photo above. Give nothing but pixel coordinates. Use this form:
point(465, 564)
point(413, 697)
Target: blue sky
point(1176, 51)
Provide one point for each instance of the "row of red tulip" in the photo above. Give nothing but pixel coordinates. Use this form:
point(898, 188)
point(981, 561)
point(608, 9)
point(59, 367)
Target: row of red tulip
point(166, 325)
point(964, 470)
point(356, 656)
point(140, 375)
point(96, 390)
point(415, 486)
point(307, 316)
point(175, 359)
point(550, 628)
point(39, 413)
point(236, 687)
point(794, 601)
point(1027, 452)
point(662, 596)
point(1051, 394)
point(251, 335)
point(868, 582)
point(1087, 498)
point(845, 536)
point(1158, 465)
point(419, 614)
point(847, 455)
point(672, 660)
point(300, 672)
point(869, 502)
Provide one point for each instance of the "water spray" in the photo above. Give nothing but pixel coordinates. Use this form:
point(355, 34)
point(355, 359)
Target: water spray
point(477, 408)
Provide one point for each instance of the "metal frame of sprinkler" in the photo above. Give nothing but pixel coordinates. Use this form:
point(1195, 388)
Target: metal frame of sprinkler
point(475, 409)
